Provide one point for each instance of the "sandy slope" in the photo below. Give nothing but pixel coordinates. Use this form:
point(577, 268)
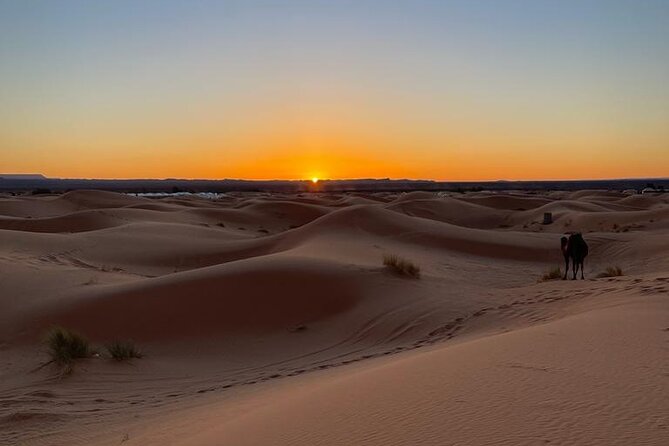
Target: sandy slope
point(547, 384)
point(268, 319)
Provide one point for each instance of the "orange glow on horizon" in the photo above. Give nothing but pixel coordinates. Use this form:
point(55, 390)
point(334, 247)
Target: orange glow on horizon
point(466, 169)
point(452, 164)
point(339, 143)
point(338, 135)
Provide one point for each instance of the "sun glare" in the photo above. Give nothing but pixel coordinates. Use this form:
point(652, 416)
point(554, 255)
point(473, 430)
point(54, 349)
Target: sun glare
point(314, 180)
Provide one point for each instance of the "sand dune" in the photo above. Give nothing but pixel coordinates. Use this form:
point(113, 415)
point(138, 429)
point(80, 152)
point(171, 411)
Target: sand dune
point(514, 202)
point(270, 319)
point(454, 211)
point(256, 296)
point(492, 390)
point(49, 206)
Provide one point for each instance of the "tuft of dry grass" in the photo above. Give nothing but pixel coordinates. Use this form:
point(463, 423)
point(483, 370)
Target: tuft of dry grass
point(611, 271)
point(123, 350)
point(401, 266)
point(64, 346)
point(552, 274)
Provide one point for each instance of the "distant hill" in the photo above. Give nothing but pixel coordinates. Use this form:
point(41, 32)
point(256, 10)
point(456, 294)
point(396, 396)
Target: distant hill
point(22, 176)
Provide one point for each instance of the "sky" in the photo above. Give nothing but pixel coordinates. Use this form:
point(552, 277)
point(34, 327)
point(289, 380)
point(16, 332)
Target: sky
point(444, 90)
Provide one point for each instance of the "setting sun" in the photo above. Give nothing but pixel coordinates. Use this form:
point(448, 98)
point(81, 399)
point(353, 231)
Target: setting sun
point(314, 180)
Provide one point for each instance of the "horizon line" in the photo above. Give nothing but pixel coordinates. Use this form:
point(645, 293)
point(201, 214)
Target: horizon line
point(44, 177)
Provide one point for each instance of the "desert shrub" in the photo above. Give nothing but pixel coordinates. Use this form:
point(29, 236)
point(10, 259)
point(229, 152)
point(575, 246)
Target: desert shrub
point(552, 274)
point(123, 350)
point(401, 266)
point(611, 271)
point(65, 346)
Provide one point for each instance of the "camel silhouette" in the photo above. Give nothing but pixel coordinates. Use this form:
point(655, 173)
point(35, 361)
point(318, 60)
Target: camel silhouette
point(576, 249)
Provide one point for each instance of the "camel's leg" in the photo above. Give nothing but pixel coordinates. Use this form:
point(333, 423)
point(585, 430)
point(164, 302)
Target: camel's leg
point(574, 268)
point(582, 268)
point(566, 267)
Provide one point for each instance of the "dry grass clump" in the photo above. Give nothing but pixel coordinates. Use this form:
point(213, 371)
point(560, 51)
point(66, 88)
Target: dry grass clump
point(64, 346)
point(401, 266)
point(611, 271)
point(552, 274)
point(123, 350)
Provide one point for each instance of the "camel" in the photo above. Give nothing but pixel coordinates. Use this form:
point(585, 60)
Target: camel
point(576, 249)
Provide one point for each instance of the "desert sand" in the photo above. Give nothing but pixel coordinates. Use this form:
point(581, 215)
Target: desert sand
point(269, 319)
